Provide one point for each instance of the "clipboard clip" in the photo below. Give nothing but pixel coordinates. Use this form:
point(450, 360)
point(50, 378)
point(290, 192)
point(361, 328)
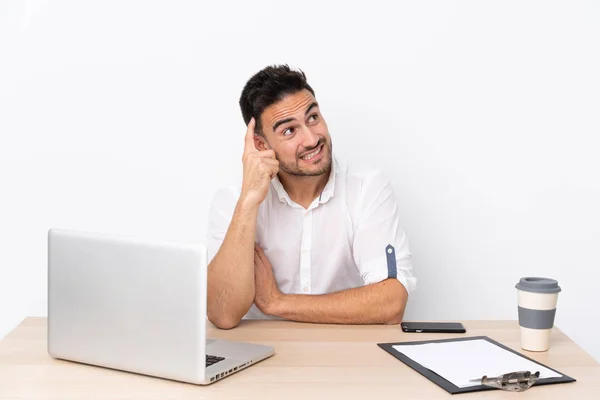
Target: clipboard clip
point(518, 381)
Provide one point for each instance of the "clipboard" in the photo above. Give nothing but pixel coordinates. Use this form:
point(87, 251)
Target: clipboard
point(449, 386)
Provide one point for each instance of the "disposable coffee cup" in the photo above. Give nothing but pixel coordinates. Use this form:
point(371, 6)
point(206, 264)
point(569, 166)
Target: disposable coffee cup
point(537, 309)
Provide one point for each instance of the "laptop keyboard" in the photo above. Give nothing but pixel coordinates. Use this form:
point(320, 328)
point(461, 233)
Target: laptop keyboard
point(210, 360)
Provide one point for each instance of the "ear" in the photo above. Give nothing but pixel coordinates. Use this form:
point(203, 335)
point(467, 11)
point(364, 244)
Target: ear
point(261, 143)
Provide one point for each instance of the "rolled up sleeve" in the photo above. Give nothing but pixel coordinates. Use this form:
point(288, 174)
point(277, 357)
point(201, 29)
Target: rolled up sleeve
point(379, 236)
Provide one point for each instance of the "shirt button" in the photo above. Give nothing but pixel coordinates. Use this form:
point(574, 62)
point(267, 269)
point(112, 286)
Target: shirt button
point(305, 289)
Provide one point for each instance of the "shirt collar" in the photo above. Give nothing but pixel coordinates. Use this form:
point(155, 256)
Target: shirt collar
point(326, 194)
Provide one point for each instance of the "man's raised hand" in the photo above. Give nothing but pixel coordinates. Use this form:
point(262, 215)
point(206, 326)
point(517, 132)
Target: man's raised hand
point(259, 168)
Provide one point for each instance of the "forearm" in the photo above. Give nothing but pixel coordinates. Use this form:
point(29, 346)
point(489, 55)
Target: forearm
point(379, 303)
point(231, 272)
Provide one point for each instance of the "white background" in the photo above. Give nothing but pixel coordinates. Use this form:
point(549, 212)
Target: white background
point(122, 117)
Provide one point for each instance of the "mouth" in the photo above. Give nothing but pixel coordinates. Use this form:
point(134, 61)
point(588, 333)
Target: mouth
point(314, 155)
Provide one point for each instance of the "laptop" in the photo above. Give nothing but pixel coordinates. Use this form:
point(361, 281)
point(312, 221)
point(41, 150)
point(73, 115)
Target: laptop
point(138, 306)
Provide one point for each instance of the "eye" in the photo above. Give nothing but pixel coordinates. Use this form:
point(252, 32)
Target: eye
point(313, 117)
point(288, 132)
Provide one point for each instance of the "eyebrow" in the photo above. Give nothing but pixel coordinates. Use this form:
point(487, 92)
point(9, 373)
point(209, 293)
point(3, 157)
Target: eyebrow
point(285, 121)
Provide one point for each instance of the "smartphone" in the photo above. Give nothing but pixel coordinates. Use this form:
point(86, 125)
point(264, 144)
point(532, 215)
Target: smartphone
point(433, 327)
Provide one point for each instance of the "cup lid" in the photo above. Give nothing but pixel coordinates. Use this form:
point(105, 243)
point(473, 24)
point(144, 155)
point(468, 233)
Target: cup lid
point(538, 285)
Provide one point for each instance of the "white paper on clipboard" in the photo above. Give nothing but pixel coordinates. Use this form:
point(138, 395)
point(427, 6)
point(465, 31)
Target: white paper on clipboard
point(461, 361)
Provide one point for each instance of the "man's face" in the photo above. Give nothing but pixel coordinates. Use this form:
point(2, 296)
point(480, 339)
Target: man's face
point(295, 129)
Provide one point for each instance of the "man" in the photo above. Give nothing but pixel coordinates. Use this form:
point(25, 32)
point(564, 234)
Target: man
point(305, 238)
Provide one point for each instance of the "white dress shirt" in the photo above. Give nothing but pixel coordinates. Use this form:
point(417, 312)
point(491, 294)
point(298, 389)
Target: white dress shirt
point(339, 242)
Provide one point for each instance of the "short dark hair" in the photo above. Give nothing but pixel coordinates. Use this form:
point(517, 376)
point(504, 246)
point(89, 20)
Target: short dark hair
point(267, 87)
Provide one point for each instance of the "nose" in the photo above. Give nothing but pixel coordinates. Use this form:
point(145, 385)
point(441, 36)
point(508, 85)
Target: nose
point(310, 138)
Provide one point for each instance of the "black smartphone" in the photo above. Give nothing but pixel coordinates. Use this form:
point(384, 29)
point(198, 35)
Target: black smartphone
point(433, 327)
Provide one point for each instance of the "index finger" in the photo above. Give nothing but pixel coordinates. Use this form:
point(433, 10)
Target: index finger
point(261, 253)
point(257, 250)
point(249, 145)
